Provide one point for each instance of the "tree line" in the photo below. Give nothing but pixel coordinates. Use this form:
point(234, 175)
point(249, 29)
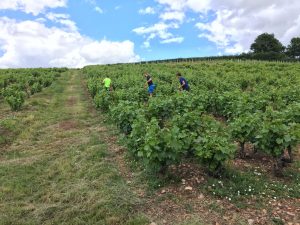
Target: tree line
point(268, 47)
point(265, 47)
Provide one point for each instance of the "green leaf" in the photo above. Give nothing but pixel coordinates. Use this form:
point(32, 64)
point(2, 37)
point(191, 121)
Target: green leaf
point(279, 141)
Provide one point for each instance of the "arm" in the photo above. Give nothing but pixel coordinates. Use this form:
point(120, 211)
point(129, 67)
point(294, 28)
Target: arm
point(148, 81)
point(183, 84)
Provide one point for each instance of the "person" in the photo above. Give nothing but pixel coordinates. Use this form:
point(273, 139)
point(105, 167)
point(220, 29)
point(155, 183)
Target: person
point(183, 83)
point(107, 84)
point(149, 82)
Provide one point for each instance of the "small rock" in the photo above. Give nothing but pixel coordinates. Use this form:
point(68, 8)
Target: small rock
point(188, 188)
point(163, 191)
point(164, 221)
point(201, 196)
point(264, 211)
point(183, 181)
point(291, 214)
point(250, 221)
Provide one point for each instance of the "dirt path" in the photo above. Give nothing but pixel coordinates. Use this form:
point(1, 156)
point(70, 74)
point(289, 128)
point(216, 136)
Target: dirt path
point(59, 169)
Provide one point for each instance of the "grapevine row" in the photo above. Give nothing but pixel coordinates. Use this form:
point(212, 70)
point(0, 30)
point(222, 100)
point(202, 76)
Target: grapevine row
point(230, 105)
point(19, 84)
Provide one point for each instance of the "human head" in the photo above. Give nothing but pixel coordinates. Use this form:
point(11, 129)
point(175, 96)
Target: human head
point(178, 74)
point(146, 74)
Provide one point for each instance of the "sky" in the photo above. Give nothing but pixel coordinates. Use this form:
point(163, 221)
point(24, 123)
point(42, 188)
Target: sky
point(76, 33)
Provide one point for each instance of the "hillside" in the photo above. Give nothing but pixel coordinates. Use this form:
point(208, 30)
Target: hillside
point(73, 153)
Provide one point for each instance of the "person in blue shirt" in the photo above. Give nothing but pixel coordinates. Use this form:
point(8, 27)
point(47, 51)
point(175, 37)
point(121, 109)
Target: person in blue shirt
point(183, 82)
point(151, 86)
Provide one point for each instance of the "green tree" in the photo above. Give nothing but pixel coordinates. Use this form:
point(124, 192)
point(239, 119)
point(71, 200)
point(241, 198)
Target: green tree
point(293, 48)
point(266, 43)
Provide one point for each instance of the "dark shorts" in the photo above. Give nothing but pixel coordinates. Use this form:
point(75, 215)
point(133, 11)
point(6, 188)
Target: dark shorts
point(151, 88)
point(186, 88)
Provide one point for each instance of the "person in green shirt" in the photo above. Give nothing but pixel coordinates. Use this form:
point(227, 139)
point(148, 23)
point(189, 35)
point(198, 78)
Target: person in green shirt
point(107, 84)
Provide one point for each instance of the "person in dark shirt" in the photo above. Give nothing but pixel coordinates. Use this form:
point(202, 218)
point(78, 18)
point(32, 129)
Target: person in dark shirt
point(183, 82)
point(151, 86)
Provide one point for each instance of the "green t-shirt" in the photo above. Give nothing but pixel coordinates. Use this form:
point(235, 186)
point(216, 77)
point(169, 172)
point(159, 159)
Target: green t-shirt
point(107, 82)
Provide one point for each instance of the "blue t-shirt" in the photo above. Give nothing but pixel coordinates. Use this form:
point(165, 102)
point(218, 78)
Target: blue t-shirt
point(186, 86)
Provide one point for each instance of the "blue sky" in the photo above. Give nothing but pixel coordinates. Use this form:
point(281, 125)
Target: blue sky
point(126, 18)
point(79, 32)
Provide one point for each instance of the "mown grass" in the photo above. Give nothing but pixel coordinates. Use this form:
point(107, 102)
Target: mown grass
point(52, 175)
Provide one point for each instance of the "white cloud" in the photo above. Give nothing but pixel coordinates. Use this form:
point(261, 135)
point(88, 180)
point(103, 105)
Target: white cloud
point(182, 5)
point(118, 7)
point(148, 10)
point(146, 44)
point(33, 44)
point(62, 19)
point(173, 40)
point(34, 7)
point(159, 29)
point(173, 4)
point(235, 49)
point(174, 15)
point(217, 33)
point(57, 16)
point(98, 9)
point(95, 5)
point(199, 6)
point(190, 20)
point(92, 2)
point(238, 23)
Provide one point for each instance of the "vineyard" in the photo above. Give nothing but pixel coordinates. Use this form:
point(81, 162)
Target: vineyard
point(77, 152)
point(230, 106)
point(19, 84)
